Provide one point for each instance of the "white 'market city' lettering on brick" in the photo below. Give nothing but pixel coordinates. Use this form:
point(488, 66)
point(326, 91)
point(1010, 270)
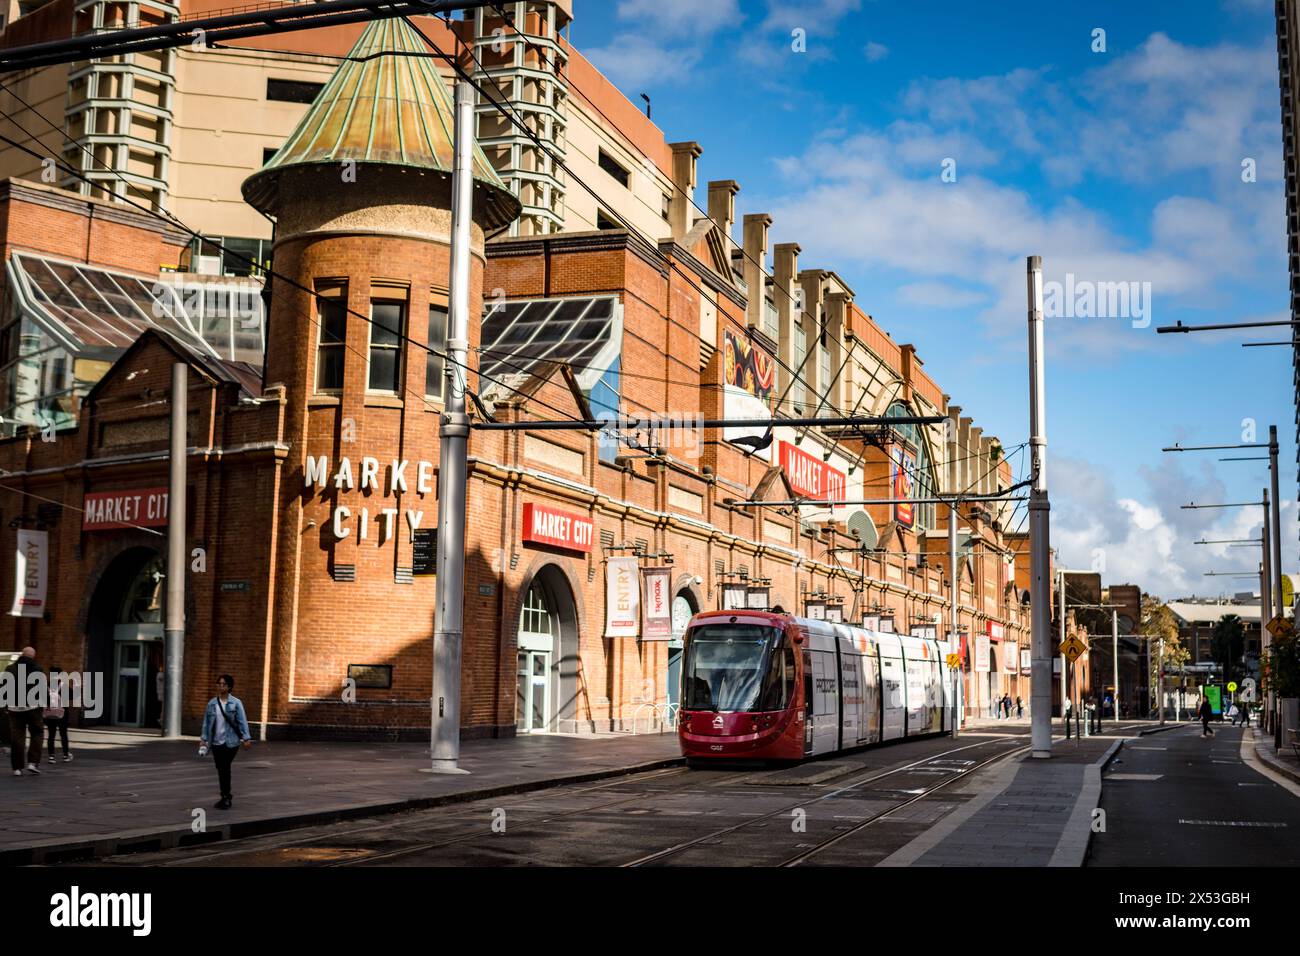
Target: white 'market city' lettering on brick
point(316, 474)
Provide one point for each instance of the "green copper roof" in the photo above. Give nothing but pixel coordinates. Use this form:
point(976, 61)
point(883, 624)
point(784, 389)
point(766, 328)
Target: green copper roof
point(381, 108)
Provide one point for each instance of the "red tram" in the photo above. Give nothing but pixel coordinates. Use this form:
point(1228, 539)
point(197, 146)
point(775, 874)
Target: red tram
point(764, 686)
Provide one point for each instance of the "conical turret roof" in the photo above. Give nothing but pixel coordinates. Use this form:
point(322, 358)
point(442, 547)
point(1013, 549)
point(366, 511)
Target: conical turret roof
point(382, 106)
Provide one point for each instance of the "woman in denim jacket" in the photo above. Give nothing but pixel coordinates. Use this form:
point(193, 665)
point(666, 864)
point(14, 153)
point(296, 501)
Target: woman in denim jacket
point(225, 727)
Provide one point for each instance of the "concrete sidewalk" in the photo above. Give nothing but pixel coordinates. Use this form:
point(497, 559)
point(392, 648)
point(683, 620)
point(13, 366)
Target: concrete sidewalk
point(1026, 812)
point(126, 791)
point(1283, 761)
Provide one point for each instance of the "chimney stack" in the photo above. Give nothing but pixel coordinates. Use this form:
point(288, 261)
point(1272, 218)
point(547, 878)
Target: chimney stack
point(785, 268)
point(685, 156)
point(722, 210)
point(755, 231)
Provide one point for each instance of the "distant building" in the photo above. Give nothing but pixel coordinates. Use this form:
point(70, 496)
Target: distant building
point(1196, 620)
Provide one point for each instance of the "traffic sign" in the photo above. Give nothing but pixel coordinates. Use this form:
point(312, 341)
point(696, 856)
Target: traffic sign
point(1275, 626)
point(1232, 687)
point(953, 661)
point(1073, 648)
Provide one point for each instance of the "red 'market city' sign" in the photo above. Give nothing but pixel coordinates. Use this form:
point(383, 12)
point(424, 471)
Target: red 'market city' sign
point(558, 529)
point(810, 477)
point(133, 508)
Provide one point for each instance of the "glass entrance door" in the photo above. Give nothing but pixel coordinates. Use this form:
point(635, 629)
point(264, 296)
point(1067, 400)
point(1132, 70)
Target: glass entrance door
point(534, 691)
point(129, 689)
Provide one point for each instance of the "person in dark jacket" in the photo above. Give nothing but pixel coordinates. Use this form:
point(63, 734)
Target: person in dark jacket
point(25, 716)
point(1206, 713)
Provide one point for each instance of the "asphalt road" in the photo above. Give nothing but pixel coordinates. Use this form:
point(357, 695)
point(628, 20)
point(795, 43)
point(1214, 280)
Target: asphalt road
point(1177, 799)
point(720, 817)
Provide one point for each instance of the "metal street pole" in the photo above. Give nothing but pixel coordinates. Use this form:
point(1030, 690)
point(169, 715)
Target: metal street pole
point(1039, 524)
point(174, 632)
point(1277, 525)
point(1266, 597)
point(953, 639)
point(1114, 644)
point(1065, 674)
point(453, 449)
point(1161, 678)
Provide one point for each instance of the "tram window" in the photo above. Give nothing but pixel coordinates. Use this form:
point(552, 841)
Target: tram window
point(778, 689)
point(725, 667)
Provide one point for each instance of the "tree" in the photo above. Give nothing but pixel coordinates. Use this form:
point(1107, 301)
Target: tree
point(1228, 643)
point(1158, 623)
point(1281, 665)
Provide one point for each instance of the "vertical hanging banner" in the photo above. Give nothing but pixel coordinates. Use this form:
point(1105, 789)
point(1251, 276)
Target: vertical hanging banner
point(1012, 658)
point(31, 573)
point(902, 465)
point(657, 609)
point(622, 597)
point(983, 664)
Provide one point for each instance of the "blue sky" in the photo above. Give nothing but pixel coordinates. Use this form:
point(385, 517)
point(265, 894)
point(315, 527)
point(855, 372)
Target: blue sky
point(1116, 165)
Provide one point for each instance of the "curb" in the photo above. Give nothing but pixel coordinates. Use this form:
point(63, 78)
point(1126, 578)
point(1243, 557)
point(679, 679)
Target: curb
point(1072, 850)
point(1277, 766)
point(150, 841)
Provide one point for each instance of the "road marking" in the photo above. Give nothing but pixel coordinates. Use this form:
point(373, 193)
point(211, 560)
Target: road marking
point(1148, 748)
point(1134, 776)
point(1232, 823)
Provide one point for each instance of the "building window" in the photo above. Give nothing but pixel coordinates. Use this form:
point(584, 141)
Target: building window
point(332, 316)
point(387, 322)
point(666, 206)
point(292, 91)
point(604, 220)
point(615, 169)
point(434, 362)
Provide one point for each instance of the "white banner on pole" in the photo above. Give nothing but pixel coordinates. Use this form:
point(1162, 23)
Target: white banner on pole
point(1011, 658)
point(982, 662)
point(31, 573)
point(622, 597)
point(657, 616)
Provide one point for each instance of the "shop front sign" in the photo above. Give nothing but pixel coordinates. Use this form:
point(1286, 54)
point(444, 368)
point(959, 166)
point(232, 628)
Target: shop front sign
point(810, 477)
point(558, 529)
point(133, 508)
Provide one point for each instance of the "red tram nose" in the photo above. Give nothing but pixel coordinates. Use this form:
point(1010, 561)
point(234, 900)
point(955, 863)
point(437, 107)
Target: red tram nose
point(705, 733)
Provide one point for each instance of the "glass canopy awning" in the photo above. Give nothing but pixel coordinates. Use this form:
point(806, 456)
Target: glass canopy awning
point(520, 337)
point(65, 323)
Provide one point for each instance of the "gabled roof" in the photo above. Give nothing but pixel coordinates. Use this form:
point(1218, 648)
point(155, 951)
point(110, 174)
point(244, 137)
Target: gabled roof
point(386, 104)
point(246, 377)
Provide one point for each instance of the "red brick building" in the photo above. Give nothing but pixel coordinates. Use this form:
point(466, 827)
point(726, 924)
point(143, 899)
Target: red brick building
point(312, 473)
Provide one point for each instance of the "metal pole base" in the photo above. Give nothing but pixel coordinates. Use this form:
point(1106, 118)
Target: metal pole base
point(1041, 754)
point(444, 766)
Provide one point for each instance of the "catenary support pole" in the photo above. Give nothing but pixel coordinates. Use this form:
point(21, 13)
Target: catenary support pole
point(174, 632)
point(1266, 596)
point(1160, 680)
point(1114, 652)
point(453, 449)
point(1065, 665)
point(1039, 535)
point(954, 641)
point(1276, 557)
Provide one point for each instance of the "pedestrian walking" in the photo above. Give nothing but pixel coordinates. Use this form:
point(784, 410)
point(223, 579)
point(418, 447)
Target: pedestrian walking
point(225, 728)
point(1206, 713)
point(1244, 708)
point(1006, 705)
point(24, 721)
point(56, 714)
point(1020, 707)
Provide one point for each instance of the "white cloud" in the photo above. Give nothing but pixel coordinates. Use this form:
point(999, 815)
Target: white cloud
point(939, 295)
point(677, 17)
point(875, 52)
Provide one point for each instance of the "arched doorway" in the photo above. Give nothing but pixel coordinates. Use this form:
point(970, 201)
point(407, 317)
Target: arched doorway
point(683, 610)
point(124, 630)
point(548, 666)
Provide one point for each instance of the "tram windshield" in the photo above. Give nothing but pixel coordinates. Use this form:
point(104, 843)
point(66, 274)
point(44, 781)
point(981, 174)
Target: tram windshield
point(737, 667)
